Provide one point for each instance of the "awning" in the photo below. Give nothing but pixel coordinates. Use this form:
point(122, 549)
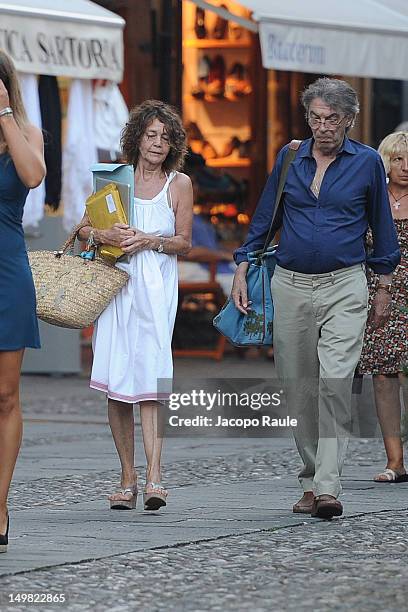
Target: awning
point(226, 14)
point(367, 38)
point(73, 38)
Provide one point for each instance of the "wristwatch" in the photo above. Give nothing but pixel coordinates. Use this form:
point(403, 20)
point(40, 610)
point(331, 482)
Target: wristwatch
point(160, 248)
point(385, 286)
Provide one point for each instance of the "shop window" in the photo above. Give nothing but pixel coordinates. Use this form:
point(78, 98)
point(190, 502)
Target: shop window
point(219, 95)
point(387, 108)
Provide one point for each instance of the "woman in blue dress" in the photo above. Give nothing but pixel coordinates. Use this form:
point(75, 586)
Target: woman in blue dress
point(22, 168)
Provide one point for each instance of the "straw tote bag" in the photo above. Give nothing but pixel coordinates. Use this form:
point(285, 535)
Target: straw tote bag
point(71, 291)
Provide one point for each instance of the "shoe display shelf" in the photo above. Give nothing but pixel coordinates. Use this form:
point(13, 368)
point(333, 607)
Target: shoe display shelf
point(225, 162)
point(224, 111)
point(199, 43)
point(189, 98)
point(217, 88)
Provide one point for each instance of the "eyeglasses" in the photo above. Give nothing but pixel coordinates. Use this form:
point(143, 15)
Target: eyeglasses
point(330, 122)
point(150, 136)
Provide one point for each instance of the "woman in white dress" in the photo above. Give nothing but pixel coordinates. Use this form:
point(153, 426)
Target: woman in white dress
point(132, 337)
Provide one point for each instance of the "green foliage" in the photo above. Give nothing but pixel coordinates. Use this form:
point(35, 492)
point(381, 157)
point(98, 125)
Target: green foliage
point(254, 324)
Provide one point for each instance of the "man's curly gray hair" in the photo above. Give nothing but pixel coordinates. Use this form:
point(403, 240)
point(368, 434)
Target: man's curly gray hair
point(337, 94)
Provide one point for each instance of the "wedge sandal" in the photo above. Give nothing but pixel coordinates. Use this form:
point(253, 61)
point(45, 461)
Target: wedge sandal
point(390, 476)
point(154, 496)
point(125, 504)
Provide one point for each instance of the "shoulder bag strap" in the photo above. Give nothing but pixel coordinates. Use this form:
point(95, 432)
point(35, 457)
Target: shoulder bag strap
point(289, 157)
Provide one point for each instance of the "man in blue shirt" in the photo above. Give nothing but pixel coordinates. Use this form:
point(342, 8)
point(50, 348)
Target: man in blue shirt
point(335, 189)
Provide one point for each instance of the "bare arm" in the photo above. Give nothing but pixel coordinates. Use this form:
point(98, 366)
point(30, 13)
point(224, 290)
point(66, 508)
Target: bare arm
point(179, 244)
point(381, 307)
point(204, 254)
point(239, 292)
point(26, 150)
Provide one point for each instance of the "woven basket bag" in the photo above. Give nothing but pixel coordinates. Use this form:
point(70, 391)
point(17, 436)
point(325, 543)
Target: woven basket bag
point(72, 291)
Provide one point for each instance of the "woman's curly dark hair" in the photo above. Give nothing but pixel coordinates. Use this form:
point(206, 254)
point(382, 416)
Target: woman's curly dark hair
point(140, 118)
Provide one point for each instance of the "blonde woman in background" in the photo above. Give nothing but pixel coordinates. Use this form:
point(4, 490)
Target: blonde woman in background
point(385, 349)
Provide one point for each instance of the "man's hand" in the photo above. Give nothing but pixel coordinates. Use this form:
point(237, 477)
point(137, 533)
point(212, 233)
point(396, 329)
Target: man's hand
point(380, 309)
point(239, 289)
point(4, 97)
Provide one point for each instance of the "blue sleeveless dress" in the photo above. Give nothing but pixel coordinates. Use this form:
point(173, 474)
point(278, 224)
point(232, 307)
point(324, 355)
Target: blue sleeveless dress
point(18, 321)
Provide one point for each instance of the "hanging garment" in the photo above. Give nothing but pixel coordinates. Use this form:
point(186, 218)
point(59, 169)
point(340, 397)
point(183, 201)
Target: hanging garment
point(110, 116)
point(79, 153)
point(34, 206)
point(132, 337)
point(50, 106)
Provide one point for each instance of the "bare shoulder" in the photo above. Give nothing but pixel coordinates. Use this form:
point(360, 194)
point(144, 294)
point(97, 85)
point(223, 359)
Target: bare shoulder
point(183, 192)
point(182, 182)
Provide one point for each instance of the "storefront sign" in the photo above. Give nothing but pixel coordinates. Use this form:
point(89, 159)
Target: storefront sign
point(40, 46)
point(326, 50)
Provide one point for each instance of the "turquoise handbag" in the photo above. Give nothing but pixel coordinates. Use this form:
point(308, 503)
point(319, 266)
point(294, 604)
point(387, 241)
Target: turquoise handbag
point(256, 327)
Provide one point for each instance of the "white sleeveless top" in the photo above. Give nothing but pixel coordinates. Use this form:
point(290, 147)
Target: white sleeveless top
point(132, 337)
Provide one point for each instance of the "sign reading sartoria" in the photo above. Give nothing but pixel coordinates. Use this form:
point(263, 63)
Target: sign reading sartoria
point(64, 49)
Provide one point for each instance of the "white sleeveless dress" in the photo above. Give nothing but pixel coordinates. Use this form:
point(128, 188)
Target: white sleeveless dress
point(132, 337)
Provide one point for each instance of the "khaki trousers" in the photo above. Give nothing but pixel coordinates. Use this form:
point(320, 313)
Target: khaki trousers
point(318, 333)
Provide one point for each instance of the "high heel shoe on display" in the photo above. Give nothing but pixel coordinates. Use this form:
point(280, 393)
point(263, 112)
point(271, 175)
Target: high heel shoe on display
point(197, 143)
point(154, 496)
point(245, 149)
point(237, 84)
point(199, 27)
point(221, 26)
point(203, 72)
point(203, 148)
point(216, 79)
point(124, 504)
point(231, 146)
point(4, 538)
point(236, 148)
point(235, 31)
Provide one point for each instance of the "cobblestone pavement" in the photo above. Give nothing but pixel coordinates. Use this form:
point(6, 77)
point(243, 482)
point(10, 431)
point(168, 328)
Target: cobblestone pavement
point(357, 564)
point(233, 468)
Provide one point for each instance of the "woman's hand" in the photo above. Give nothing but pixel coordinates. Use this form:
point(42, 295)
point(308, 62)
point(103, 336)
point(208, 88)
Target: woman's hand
point(239, 289)
point(4, 97)
point(381, 309)
point(139, 241)
point(115, 235)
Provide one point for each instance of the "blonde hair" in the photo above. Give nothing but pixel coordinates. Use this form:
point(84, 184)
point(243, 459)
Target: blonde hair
point(397, 142)
point(8, 75)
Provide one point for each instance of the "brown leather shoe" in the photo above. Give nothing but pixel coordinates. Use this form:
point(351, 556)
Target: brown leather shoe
point(326, 506)
point(304, 505)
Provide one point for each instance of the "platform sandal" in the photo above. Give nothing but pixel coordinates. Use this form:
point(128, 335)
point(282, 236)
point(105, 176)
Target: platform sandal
point(125, 504)
point(389, 475)
point(154, 496)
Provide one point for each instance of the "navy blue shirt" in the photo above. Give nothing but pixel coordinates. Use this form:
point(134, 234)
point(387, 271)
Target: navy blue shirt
point(323, 234)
